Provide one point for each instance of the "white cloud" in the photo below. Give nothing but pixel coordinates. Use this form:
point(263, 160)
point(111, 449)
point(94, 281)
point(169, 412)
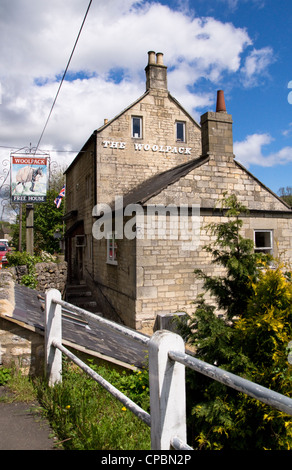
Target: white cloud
point(234, 4)
point(39, 36)
point(256, 65)
point(250, 152)
point(287, 132)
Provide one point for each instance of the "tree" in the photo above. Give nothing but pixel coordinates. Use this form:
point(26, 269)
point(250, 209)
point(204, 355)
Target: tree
point(286, 194)
point(47, 221)
point(236, 255)
point(250, 340)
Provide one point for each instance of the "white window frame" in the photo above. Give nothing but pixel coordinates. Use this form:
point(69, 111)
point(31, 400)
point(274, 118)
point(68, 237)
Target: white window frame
point(264, 249)
point(111, 249)
point(184, 131)
point(140, 135)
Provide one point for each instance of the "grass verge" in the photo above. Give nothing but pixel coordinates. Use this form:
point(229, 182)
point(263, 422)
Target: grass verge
point(83, 415)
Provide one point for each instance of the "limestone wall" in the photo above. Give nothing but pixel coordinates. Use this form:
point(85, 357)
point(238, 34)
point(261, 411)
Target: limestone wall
point(48, 275)
point(21, 346)
point(166, 282)
point(124, 162)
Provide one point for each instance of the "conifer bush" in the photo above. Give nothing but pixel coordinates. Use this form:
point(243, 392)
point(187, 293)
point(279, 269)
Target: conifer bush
point(249, 339)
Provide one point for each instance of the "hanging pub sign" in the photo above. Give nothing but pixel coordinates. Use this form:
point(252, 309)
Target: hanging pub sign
point(29, 177)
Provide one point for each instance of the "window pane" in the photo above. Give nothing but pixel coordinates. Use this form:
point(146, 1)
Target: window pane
point(136, 126)
point(111, 250)
point(263, 241)
point(180, 131)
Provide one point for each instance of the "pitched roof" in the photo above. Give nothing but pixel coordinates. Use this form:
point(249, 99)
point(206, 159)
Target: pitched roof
point(157, 183)
point(154, 185)
point(262, 184)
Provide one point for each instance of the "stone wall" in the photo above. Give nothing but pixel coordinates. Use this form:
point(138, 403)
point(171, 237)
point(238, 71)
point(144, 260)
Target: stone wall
point(166, 282)
point(123, 162)
point(116, 283)
point(21, 346)
point(48, 275)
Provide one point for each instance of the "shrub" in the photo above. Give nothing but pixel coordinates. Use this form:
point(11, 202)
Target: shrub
point(250, 339)
point(18, 258)
point(5, 375)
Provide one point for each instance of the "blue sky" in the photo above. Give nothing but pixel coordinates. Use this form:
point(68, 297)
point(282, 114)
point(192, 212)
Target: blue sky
point(240, 46)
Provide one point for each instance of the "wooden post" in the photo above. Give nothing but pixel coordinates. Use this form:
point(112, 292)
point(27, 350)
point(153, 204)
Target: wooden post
point(53, 332)
point(20, 228)
point(29, 229)
point(167, 390)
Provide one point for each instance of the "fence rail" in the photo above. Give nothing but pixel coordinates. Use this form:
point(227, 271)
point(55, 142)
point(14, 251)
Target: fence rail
point(167, 362)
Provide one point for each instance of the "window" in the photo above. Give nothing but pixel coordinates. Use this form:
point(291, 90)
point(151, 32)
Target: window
point(263, 241)
point(80, 240)
point(137, 127)
point(180, 131)
point(111, 250)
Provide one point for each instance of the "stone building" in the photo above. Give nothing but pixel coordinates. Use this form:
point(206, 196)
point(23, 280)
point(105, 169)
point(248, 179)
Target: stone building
point(140, 194)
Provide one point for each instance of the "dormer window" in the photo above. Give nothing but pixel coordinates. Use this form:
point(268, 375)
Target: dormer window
point(180, 131)
point(136, 127)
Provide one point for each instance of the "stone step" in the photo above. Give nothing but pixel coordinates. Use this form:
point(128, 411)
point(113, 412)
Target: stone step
point(81, 296)
point(76, 287)
point(78, 293)
point(78, 301)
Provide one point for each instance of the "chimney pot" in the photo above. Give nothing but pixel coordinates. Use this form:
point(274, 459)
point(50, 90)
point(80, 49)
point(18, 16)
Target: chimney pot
point(151, 57)
point(220, 106)
point(159, 58)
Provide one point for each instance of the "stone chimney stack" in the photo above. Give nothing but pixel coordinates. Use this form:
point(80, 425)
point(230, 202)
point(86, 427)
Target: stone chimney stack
point(156, 72)
point(217, 139)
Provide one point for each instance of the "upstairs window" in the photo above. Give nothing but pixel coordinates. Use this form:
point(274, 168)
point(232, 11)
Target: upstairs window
point(180, 131)
point(263, 241)
point(137, 127)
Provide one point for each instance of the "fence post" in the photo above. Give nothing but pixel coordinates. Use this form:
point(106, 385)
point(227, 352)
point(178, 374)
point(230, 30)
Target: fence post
point(53, 331)
point(167, 390)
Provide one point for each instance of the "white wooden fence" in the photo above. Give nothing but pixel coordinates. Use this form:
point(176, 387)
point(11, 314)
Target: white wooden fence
point(167, 362)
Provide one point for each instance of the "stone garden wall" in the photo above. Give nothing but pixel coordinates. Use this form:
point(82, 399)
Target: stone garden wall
point(49, 275)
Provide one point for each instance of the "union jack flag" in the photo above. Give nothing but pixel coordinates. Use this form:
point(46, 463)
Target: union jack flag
point(59, 198)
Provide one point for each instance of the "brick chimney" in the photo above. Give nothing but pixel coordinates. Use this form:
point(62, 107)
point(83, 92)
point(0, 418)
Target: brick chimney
point(217, 139)
point(156, 72)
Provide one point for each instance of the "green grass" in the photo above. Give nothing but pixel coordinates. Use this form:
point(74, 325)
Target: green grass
point(84, 416)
